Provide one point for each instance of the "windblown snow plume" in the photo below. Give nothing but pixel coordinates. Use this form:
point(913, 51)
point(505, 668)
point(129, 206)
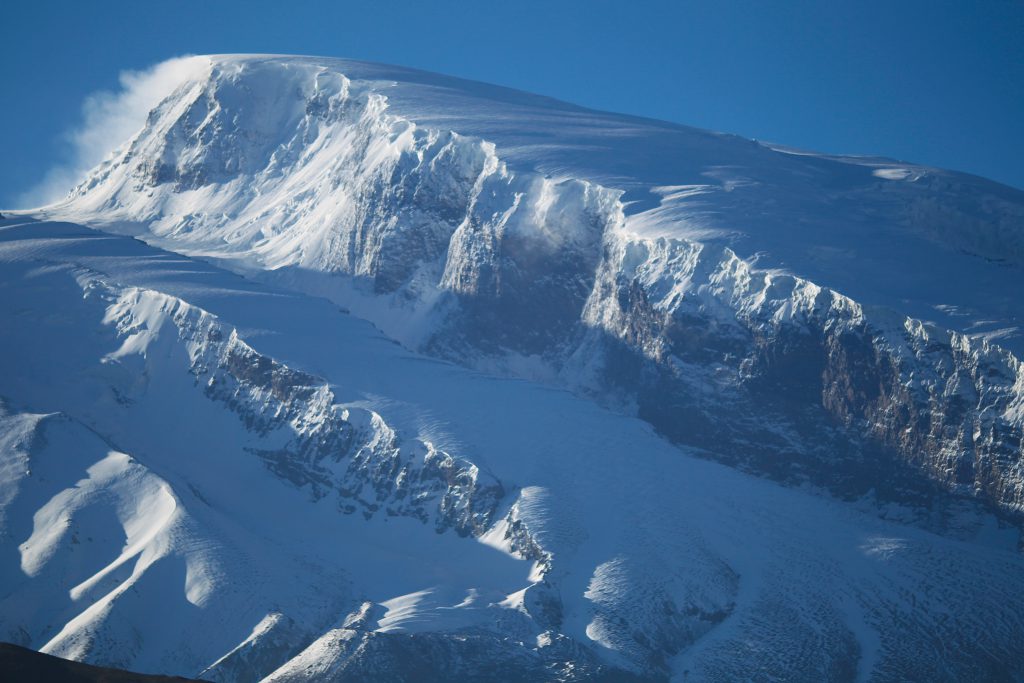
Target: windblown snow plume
point(111, 118)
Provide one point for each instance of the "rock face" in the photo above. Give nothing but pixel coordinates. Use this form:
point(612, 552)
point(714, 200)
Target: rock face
point(814, 385)
point(402, 197)
point(327, 448)
point(455, 421)
point(299, 498)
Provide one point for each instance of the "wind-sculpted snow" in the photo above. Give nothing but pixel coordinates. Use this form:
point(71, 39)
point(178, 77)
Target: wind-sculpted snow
point(299, 497)
point(311, 440)
point(112, 559)
point(158, 457)
point(424, 204)
point(311, 172)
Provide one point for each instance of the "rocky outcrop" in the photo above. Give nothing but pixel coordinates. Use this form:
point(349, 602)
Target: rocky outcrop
point(784, 376)
point(314, 180)
point(323, 446)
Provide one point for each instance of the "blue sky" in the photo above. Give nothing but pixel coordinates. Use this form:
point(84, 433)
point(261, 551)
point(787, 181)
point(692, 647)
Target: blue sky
point(934, 82)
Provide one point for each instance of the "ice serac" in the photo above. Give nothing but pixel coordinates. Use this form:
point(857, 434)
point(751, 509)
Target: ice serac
point(850, 322)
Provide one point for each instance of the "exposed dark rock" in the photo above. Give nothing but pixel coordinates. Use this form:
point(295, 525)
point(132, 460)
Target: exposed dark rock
point(22, 665)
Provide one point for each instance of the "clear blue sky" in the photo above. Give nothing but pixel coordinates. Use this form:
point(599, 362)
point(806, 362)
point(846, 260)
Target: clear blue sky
point(932, 81)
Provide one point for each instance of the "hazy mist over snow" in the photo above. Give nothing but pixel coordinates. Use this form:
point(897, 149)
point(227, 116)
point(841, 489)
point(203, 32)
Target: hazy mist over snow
point(108, 120)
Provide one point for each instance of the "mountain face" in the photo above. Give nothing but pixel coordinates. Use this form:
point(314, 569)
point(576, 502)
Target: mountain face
point(352, 372)
point(657, 268)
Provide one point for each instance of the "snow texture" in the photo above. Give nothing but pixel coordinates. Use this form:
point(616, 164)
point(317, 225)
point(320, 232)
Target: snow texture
point(224, 401)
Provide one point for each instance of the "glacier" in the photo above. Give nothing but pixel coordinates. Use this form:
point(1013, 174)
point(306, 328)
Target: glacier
point(350, 371)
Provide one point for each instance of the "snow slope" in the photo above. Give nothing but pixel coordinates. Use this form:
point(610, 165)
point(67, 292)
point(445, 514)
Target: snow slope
point(175, 444)
point(256, 145)
point(686, 277)
point(288, 469)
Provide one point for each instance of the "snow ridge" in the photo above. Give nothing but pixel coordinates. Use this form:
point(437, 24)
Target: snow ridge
point(325, 446)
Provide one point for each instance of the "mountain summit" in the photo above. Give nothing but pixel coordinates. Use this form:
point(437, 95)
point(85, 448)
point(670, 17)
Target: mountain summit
point(252, 436)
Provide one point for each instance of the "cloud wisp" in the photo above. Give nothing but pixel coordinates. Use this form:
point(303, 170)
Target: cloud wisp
point(109, 120)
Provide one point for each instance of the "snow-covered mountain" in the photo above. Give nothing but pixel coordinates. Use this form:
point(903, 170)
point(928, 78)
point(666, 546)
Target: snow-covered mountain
point(213, 422)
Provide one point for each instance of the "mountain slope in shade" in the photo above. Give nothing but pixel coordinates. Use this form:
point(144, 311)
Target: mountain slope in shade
point(28, 666)
point(300, 510)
